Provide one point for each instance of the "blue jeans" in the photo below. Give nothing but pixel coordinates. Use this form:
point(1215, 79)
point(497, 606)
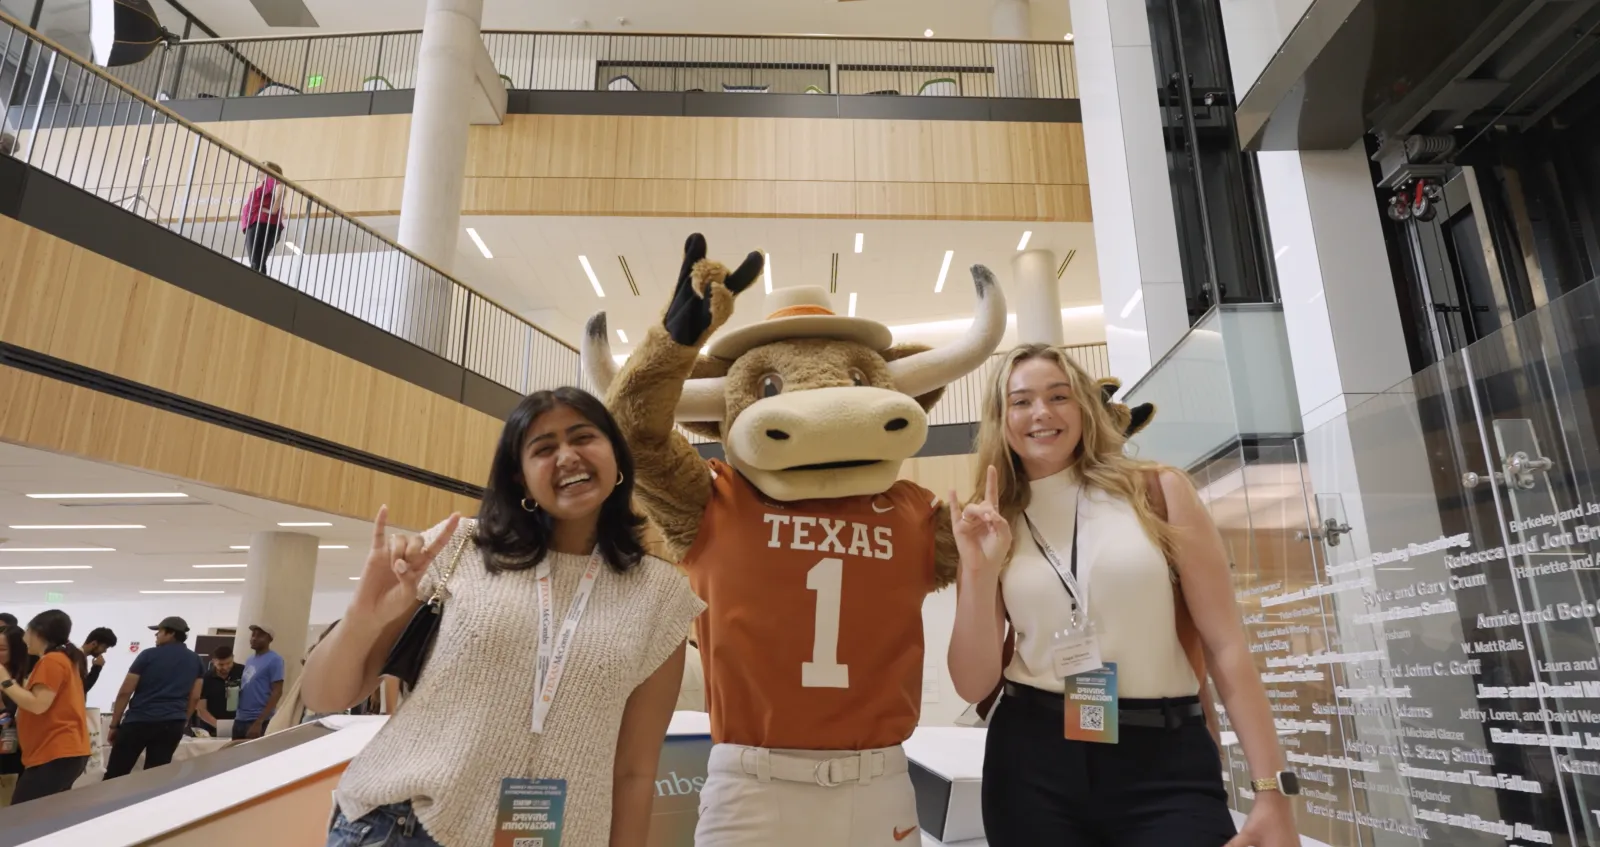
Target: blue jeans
point(394, 825)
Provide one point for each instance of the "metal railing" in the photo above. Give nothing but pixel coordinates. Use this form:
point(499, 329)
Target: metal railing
point(74, 121)
point(565, 61)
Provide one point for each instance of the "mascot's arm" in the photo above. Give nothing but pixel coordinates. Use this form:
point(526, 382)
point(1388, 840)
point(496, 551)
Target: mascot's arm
point(945, 556)
point(671, 480)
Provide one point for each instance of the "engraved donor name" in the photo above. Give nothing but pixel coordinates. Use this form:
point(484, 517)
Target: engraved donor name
point(1586, 688)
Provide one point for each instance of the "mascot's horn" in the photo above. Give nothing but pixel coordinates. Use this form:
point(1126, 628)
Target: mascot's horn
point(921, 373)
point(703, 399)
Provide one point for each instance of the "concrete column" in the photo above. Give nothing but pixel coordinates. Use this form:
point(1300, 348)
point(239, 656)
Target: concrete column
point(1013, 64)
point(1135, 231)
point(436, 159)
point(277, 593)
point(1036, 297)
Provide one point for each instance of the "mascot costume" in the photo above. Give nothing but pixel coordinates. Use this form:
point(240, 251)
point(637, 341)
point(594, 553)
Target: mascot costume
point(813, 557)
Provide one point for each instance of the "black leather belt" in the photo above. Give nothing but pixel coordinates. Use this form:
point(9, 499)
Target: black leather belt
point(1159, 713)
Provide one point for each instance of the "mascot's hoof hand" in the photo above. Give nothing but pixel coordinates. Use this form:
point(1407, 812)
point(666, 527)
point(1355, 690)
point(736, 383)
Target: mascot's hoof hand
point(692, 314)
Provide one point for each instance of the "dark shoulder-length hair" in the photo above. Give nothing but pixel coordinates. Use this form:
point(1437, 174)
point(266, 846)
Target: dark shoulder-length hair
point(55, 627)
point(16, 651)
point(512, 538)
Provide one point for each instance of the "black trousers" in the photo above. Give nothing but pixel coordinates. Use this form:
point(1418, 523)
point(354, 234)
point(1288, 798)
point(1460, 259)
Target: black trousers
point(1154, 788)
point(262, 237)
point(52, 777)
point(157, 740)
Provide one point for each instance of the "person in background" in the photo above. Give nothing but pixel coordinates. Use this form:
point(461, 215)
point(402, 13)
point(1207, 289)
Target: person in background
point(94, 649)
point(8, 147)
point(262, 219)
point(8, 619)
point(219, 691)
point(262, 688)
point(13, 657)
point(292, 710)
point(557, 514)
point(52, 722)
point(157, 697)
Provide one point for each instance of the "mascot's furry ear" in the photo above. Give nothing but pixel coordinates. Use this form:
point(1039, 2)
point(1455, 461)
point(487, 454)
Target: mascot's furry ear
point(900, 351)
point(1130, 420)
point(705, 366)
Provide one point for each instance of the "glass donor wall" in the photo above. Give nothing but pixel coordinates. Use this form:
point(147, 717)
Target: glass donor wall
point(1422, 596)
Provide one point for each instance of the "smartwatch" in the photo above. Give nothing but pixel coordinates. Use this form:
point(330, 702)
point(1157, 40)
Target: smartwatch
point(1285, 782)
point(8, 683)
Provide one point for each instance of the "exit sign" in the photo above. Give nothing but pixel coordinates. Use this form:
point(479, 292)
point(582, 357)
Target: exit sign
point(53, 597)
point(314, 81)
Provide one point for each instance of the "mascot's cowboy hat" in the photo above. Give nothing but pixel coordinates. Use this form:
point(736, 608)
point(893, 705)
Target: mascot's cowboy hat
point(800, 311)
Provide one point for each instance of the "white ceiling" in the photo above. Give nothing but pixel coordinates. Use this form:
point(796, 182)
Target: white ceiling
point(948, 18)
point(535, 269)
point(199, 529)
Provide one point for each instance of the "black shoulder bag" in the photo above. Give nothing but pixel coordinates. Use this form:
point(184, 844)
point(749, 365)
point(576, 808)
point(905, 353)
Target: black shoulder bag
point(411, 650)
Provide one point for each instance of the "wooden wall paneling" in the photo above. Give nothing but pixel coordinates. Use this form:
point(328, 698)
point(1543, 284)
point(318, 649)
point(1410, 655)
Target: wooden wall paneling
point(815, 150)
point(893, 151)
point(581, 146)
point(975, 201)
point(735, 148)
point(971, 151)
point(735, 197)
point(815, 199)
point(67, 302)
point(653, 197)
point(650, 147)
point(914, 200)
point(46, 414)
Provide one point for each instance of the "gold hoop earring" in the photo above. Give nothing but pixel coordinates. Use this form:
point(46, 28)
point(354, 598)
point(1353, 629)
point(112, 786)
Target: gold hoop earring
point(527, 508)
point(620, 477)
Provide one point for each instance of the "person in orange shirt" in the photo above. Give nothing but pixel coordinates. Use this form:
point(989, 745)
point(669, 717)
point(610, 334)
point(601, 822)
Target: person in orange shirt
point(51, 722)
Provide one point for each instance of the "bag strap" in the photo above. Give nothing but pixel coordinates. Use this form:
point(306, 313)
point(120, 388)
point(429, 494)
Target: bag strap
point(458, 544)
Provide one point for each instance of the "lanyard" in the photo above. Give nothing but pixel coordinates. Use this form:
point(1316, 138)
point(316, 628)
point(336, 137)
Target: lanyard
point(1068, 576)
point(553, 651)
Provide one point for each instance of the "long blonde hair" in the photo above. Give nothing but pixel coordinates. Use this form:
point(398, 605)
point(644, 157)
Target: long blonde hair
point(1098, 459)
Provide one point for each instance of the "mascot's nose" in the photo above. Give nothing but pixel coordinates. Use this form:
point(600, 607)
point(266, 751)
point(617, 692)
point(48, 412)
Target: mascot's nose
point(777, 435)
point(896, 425)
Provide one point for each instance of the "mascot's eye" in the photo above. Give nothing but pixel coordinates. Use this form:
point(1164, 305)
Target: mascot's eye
point(771, 385)
point(857, 377)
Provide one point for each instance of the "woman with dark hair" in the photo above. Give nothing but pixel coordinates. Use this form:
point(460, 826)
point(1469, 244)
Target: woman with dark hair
point(558, 658)
point(14, 658)
point(52, 724)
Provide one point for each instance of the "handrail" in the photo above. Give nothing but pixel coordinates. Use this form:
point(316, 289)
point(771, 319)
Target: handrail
point(184, 122)
point(168, 116)
point(313, 36)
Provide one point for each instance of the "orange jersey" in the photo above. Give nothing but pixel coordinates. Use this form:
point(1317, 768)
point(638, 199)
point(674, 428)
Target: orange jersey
point(813, 638)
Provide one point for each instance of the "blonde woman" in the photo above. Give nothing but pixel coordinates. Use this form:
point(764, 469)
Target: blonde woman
point(1068, 544)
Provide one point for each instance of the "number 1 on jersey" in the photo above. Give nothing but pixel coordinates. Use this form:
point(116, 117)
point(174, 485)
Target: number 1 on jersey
point(824, 670)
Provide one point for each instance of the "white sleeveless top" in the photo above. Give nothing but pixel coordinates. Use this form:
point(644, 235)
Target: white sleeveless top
point(1125, 582)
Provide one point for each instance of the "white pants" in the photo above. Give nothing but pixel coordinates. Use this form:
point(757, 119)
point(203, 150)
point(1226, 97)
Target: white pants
point(802, 798)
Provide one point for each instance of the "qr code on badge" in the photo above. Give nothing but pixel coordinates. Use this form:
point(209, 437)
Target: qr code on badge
point(1092, 718)
point(528, 842)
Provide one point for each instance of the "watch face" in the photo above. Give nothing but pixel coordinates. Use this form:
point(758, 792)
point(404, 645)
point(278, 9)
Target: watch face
point(1289, 783)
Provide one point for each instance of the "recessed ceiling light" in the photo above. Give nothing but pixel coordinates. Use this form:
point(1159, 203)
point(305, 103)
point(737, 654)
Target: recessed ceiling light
point(43, 581)
point(482, 248)
point(115, 495)
point(220, 566)
point(303, 523)
point(593, 280)
point(207, 579)
point(860, 236)
point(944, 270)
point(46, 567)
point(927, 33)
point(333, 547)
point(79, 526)
point(766, 270)
point(240, 547)
point(355, 579)
point(292, 248)
point(622, 335)
point(58, 549)
point(852, 304)
point(1067, 37)
point(183, 591)
point(1023, 244)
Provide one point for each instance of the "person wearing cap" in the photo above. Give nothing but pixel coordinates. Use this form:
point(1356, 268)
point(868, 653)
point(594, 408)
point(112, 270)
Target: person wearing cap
point(157, 698)
point(263, 685)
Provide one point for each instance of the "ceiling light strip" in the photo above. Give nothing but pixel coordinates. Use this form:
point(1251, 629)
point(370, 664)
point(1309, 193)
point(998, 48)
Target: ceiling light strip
point(944, 271)
point(79, 526)
point(116, 495)
point(58, 549)
point(627, 274)
point(593, 280)
point(482, 248)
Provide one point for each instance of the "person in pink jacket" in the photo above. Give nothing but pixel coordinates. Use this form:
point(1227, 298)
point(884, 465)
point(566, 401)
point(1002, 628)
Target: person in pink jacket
point(262, 219)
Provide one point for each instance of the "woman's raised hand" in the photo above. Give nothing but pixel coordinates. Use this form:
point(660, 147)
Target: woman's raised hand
point(983, 535)
point(395, 565)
